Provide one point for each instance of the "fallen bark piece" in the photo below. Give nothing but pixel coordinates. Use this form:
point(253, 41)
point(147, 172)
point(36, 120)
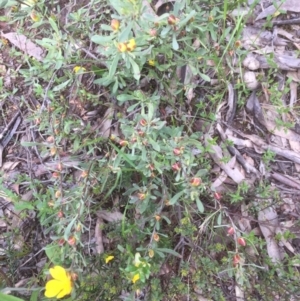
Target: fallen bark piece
point(268, 223)
point(217, 156)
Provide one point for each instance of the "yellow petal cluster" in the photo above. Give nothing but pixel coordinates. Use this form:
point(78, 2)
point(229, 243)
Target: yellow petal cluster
point(151, 63)
point(109, 258)
point(77, 69)
point(127, 46)
point(131, 45)
point(60, 285)
point(135, 278)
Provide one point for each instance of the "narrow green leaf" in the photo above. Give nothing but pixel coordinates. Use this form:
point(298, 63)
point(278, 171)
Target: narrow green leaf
point(52, 251)
point(61, 86)
point(34, 296)
point(200, 205)
point(69, 228)
point(3, 3)
point(135, 69)
point(4, 297)
point(124, 35)
point(113, 66)
point(219, 219)
point(174, 42)
point(205, 77)
point(102, 40)
point(176, 197)
point(54, 25)
point(169, 251)
point(124, 97)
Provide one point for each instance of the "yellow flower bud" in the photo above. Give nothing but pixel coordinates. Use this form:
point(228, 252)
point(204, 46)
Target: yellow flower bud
point(35, 16)
point(77, 69)
point(115, 24)
point(151, 63)
point(122, 47)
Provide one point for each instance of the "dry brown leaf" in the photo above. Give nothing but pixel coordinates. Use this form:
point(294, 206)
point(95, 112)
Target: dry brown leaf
point(293, 93)
point(219, 180)
point(287, 35)
point(282, 132)
point(108, 216)
point(105, 126)
point(291, 155)
point(25, 45)
point(268, 222)
point(10, 165)
point(217, 156)
point(287, 5)
point(99, 236)
point(231, 102)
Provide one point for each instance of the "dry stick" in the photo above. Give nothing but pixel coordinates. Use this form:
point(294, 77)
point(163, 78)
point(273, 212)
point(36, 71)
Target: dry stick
point(286, 22)
point(16, 120)
point(291, 155)
point(279, 177)
point(234, 152)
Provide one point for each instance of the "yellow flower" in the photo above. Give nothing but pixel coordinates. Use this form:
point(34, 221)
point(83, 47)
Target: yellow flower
point(135, 278)
point(109, 258)
point(131, 45)
point(60, 285)
point(151, 63)
point(77, 69)
point(137, 261)
point(122, 47)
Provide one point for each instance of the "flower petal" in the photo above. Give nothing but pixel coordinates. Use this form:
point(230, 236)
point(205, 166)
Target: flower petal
point(67, 288)
point(59, 273)
point(109, 258)
point(135, 278)
point(53, 288)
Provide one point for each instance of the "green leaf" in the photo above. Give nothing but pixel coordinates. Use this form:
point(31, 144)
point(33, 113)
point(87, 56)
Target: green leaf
point(124, 97)
point(20, 206)
point(69, 227)
point(106, 27)
point(124, 35)
point(174, 42)
point(187, 18)
point(54, 26)
point(205, 77)
point(102, 40)
point(113, 66)
point(61, 86)
point(219, 219)
point(169, 251)
point(4, 297)
point(3, 3)
point(135, 68)
point(26, 144)
point(154, 144)
point(176, 197)
point(53, 253)
point(34, 296)
point(200, 205)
